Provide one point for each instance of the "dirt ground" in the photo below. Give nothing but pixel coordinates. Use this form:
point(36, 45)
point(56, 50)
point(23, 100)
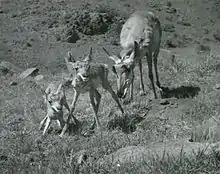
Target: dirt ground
point(36, 33)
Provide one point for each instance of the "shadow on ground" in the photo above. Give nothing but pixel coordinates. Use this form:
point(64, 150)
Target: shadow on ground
point(180, 92)
point(127, 123)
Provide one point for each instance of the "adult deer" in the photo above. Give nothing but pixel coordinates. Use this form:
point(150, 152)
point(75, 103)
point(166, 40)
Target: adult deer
point(140, 36)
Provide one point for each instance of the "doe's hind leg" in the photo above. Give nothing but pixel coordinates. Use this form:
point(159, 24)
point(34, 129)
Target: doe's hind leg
point(155, 55)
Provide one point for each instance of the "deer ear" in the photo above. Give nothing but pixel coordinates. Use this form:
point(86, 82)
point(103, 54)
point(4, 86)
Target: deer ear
point(60, 88)
point(89, 56)
point(114, 70)
point(70, 57)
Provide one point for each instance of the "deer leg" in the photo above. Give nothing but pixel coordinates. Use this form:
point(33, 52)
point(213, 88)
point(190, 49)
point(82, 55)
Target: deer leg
point(67, 107)
point(150, 72)
point(98, 99)
point(108, 87)
point(60, 121)
point(48, 122)
point(127, 101)
point(73, 105)
point(155, 67)
point(59, 124)
point(94, 94)
point(141, 82)
point(43, 122)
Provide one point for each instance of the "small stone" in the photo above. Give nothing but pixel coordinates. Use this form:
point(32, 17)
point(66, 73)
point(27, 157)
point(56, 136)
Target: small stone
point(29, 72)
point(82, 158)
point(169, 28)
point(13, 83)
point(171, 10)
point(169, 4)
point(39, 77)
point(29, 44)
point(217, 86)
point(164, 102)
point(216, 35)
point(7, 67)
point(202, 48)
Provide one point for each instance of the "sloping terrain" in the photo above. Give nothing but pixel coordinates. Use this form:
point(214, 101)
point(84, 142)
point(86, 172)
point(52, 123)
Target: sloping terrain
point(35, 33)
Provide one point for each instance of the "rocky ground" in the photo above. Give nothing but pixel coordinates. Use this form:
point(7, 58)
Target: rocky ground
point(169, 135)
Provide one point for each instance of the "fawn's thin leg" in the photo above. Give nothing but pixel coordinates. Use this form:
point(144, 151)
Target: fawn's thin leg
point(68, 108)
point(93, 95)
point(98, 99)
point(43, 122)
point(73, 105)
point(48, 122)
point(150, 72)
point(108, 87)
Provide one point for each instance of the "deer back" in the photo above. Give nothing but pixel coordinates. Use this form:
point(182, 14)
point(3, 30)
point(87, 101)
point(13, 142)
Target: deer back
point(142, 27)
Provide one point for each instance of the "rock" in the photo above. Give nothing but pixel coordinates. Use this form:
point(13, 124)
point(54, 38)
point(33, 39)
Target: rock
point(39, 77)
point(169, 17)
point(29, 72)
point(13, 83)
point(200, 48)
point(171, 10)
point(171, 44)
point(217, 86)
point(164, 102)
point(168, 4)
point(140, 154)
point(169, 28)
point(28, 44)
point(216, 35)
point(183, 22)
point(7, 67)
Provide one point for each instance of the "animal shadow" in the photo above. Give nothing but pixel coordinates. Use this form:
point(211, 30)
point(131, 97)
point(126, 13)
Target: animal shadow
point(74, 128)
point(180, 92)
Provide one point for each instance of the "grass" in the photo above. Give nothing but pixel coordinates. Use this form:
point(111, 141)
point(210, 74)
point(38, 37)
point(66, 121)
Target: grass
point(24, 150)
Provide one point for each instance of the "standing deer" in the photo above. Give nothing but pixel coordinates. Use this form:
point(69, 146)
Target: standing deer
point(88, 77)
point(140, 36)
